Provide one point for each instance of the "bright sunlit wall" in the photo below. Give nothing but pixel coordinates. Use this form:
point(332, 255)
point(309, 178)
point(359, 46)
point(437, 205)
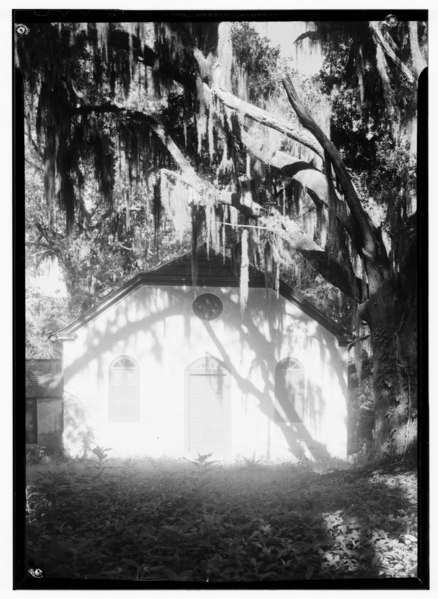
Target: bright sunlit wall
point(232, 408)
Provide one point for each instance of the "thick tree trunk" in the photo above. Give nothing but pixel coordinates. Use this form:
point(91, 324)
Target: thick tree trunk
point(390, 311)
point(393, 327)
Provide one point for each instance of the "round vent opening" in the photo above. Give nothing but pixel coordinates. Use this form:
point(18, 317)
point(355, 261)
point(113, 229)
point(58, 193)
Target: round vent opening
point(207, 306)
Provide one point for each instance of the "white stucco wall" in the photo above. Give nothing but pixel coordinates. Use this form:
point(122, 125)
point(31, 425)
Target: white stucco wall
point(157, 327)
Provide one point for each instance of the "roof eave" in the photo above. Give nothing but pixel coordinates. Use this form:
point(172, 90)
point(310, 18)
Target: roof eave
point(153, 277)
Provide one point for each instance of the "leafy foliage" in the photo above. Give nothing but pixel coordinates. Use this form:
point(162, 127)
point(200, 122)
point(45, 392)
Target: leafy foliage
point(106, 245)
point(256, 61)
point(44, 314)
point(102, 249)
point(373, 118)
point(173, 521)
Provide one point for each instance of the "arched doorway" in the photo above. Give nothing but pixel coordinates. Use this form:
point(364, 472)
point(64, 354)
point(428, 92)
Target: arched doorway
point(208, 410)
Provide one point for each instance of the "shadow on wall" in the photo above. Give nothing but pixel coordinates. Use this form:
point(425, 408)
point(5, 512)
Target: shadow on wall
point(78, 435)
point(300, 441)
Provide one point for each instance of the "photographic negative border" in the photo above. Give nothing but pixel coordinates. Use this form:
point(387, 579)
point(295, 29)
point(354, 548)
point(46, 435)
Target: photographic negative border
point(25, 580)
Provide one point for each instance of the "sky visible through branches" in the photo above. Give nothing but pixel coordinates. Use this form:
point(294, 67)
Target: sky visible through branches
point(306, 59)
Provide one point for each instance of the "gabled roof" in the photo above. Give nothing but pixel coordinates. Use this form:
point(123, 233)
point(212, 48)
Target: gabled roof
point(215, 271)
point(44, 379)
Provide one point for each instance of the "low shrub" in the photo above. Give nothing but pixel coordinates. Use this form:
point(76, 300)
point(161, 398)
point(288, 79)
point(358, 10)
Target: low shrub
point(163, 520)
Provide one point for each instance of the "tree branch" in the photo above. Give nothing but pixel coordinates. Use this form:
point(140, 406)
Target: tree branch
point(310, 179)
point(390, 52)
point(264, 118)
point(288, 230)
point(368, 242)
point(120, 39)
point(418, 61)
point(285, 163)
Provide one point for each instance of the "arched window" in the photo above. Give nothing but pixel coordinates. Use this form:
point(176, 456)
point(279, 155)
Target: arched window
point(123, 390)
point(289, 391)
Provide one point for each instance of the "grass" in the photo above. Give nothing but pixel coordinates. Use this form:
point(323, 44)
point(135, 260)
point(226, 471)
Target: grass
point(158, 520)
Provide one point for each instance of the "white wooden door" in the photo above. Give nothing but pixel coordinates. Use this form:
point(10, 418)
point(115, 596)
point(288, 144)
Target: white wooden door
point(208, 413)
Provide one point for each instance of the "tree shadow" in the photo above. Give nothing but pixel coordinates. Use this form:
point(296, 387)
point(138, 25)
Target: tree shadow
point(296, 434)
point(366, 520)
point(261, 334)
point(220, 526)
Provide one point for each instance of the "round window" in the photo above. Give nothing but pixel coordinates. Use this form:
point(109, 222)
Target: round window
point(207, 306)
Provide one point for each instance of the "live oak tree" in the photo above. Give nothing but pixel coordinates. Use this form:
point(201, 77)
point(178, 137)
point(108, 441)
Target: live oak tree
point(371, 70)
point(164, 112)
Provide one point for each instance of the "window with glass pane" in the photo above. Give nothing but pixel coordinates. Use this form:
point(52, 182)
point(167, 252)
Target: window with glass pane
point(123, 390)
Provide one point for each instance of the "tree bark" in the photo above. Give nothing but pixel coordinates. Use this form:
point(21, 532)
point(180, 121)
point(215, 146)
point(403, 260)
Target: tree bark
point(393, 329)
point(368, 243)
point(390, 52)
point(418, 60)
point(264, 118)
